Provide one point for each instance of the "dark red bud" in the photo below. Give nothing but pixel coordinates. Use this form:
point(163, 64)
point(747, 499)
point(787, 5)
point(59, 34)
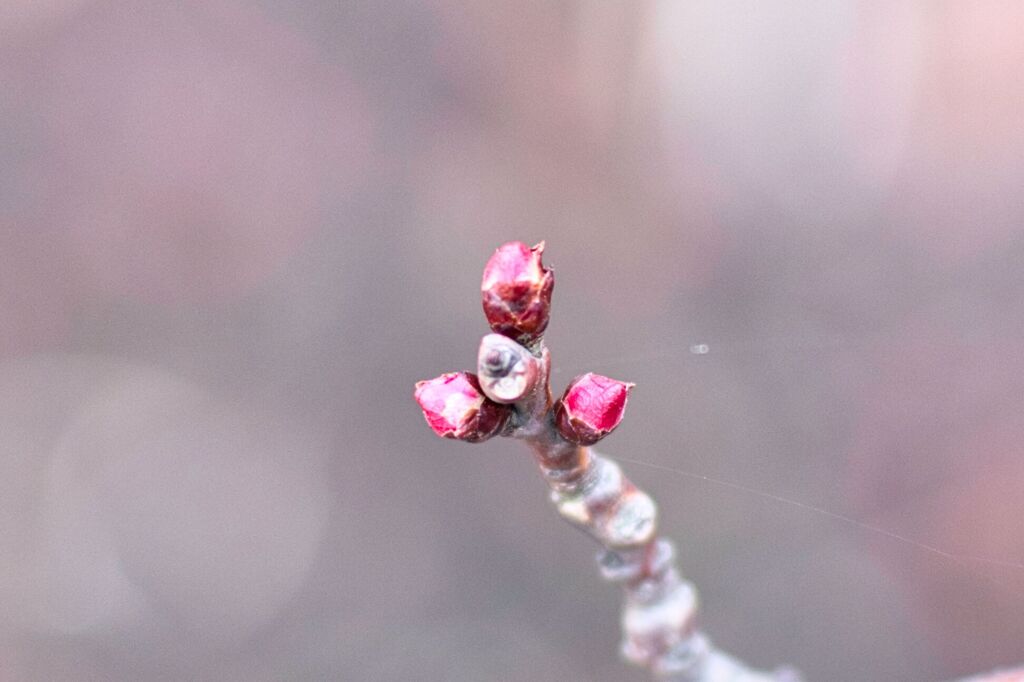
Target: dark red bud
point(591, 408)
point(455, 407)
point(516, 291)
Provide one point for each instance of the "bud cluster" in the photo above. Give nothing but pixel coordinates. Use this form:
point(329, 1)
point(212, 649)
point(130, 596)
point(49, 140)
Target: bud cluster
point(516, 293)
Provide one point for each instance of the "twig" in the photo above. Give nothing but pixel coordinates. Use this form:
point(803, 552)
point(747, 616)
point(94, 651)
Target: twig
point(511, 396)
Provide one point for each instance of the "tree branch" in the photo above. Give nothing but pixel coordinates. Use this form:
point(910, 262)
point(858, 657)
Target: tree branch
point(511, 396)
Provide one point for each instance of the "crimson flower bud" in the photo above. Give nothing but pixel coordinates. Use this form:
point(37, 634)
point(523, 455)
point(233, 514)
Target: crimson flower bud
point(455, 407)
point(591, 408)
point(516, 291)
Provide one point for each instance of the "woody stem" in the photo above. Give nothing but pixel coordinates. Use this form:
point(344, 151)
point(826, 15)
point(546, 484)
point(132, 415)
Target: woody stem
point(591, 492)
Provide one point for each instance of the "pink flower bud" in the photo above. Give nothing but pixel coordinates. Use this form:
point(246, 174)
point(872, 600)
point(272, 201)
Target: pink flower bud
point(516, 291)
point(455, 407)
point(591, 408)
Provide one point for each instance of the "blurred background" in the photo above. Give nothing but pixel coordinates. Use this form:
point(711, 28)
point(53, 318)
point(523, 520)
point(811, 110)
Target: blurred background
point(234, 234)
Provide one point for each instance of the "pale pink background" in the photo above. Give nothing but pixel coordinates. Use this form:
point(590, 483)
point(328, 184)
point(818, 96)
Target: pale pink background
point(233, 235)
